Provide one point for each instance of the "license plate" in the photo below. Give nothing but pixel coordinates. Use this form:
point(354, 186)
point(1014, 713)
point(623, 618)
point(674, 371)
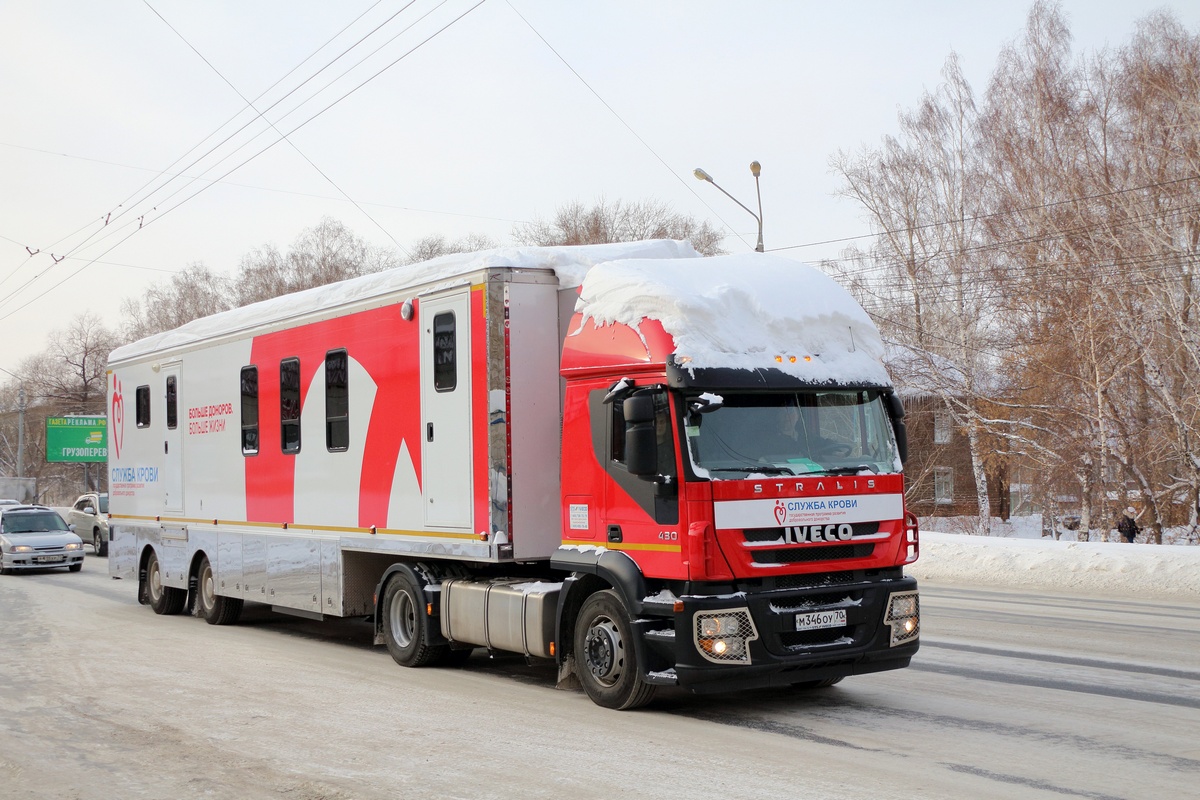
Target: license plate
point(49, 559)
point(815, 620)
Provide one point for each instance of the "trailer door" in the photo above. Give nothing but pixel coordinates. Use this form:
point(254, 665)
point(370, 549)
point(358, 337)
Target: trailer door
point(446, 410)
point(172, 477)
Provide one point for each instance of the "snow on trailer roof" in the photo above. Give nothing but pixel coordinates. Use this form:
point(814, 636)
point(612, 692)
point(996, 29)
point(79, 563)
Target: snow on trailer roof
point(724, 312)
point(742, 311)
point(570, 264)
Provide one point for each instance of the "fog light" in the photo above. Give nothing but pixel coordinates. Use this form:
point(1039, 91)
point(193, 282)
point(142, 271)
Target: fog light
point(724, 636)
point(904, 617)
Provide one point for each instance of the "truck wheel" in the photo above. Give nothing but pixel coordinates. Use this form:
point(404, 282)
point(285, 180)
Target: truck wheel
point(605, 660)
point(98, 543)
point(403, 614)
point(163, 599)
point(216, 609)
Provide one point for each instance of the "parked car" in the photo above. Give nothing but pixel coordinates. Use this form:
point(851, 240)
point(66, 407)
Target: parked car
point(89, 515)
point(37, 537)
point(4, 501)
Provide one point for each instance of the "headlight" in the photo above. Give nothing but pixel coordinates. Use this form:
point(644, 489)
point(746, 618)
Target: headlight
point(20, 548)
point(904, 617)
point(73, 546)
point(724, 636)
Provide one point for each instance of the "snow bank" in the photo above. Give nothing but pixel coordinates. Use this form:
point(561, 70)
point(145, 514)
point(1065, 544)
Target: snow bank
point(1097, 568)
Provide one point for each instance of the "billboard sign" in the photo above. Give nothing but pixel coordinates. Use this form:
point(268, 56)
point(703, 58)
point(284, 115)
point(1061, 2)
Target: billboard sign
point(80, 439)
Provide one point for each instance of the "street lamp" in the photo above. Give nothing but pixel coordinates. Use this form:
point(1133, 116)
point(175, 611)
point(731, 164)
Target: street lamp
point(755, 168)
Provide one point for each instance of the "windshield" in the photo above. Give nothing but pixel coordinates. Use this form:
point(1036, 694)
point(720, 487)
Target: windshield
point(33, 522)
point(793, 433)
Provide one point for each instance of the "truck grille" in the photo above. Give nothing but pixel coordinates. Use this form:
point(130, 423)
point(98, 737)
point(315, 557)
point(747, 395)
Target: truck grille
point(806, 554)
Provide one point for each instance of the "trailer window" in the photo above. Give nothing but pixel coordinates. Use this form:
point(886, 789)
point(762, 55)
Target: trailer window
point(337, 400)
point(249, 410)
point(172, 402)
point(445, 368)
point(142, 403)
point(289, 404)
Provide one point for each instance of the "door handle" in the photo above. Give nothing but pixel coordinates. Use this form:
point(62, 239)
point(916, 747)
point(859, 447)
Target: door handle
point(166, 447)
point(429, 431)
point(614, 533)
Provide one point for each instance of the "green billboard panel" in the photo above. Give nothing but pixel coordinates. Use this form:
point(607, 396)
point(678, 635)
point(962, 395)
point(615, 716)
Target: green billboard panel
point(77, 439)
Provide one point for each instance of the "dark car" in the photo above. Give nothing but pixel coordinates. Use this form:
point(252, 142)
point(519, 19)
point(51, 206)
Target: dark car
point(37, 537)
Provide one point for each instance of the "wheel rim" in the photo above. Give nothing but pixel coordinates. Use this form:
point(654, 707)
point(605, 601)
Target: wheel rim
point(602, 651)
point(96, 540)
point(154, 581)
point(402, 619)
point(208, 587)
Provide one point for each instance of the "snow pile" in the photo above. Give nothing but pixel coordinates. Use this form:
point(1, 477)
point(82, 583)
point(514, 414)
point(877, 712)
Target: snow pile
point(1097, 568)
point(741, 312)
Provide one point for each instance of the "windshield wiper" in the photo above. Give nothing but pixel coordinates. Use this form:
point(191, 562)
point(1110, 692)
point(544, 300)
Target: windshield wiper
point(766, 469)
point(850, 470)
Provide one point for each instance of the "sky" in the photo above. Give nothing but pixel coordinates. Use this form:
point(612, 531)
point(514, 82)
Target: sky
point(128, 149)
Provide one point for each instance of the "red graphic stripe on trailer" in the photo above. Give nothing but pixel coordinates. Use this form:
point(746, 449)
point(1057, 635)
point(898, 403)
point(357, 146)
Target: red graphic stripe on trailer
point(374, 340)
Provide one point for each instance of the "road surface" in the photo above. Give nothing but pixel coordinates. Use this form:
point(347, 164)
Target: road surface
point(1013, 695)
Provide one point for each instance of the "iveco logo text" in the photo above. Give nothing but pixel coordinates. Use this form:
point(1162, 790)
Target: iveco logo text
point(818, 533)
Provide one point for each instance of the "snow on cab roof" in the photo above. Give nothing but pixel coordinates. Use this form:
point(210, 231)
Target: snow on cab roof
point(742, 311)
point(570, 264)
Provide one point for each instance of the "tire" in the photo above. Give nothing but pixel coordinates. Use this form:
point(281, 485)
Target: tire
point(216, 609)
point(605, 658)
point(163, 599)
point(402, 612)
point(75, 567)
point(98, 543)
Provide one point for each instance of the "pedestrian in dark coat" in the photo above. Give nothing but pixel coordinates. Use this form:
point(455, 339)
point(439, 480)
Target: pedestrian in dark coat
point(1127, 525)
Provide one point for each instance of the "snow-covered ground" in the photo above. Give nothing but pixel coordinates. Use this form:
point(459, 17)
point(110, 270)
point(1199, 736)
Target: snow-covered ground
point(1025, 560)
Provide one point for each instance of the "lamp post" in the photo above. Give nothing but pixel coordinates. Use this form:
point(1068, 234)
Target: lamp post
point(755, 169)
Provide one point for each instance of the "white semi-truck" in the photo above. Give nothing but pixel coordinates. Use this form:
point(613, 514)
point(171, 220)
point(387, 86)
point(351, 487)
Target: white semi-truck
point(655, 468)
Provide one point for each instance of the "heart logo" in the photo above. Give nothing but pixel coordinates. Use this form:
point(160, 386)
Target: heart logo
point(780, 512)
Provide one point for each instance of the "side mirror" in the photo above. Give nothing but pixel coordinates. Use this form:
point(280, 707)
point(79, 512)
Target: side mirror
point(89, 510)
point(896, 412)
point(641, 440)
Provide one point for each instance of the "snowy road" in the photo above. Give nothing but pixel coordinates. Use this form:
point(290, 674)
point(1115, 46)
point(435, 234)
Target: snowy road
point(1012, 696)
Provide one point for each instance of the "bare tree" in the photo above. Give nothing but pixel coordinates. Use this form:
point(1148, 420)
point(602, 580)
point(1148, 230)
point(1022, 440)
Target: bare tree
point(436, 245)
point(321, 255)
point(190, 294)
point(618, 221)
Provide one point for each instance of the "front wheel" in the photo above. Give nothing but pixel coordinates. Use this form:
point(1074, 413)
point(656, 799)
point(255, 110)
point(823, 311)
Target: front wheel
point(605, 659)
point(98, 542)
point(404, 623)
point(76, 567)
point(216, 609)
point(163, 599)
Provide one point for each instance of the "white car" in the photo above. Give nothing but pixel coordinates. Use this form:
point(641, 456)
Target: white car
point(36, 537)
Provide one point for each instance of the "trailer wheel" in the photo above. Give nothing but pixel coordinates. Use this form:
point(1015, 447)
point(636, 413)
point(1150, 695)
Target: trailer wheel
point(216, 609)
point(98, 543)
point(403, 613)
point(605, 659)
point(163, 599)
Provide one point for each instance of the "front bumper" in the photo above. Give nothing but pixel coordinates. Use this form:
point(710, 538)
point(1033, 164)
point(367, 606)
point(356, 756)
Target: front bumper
point(41, 560)
point(774, 652)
